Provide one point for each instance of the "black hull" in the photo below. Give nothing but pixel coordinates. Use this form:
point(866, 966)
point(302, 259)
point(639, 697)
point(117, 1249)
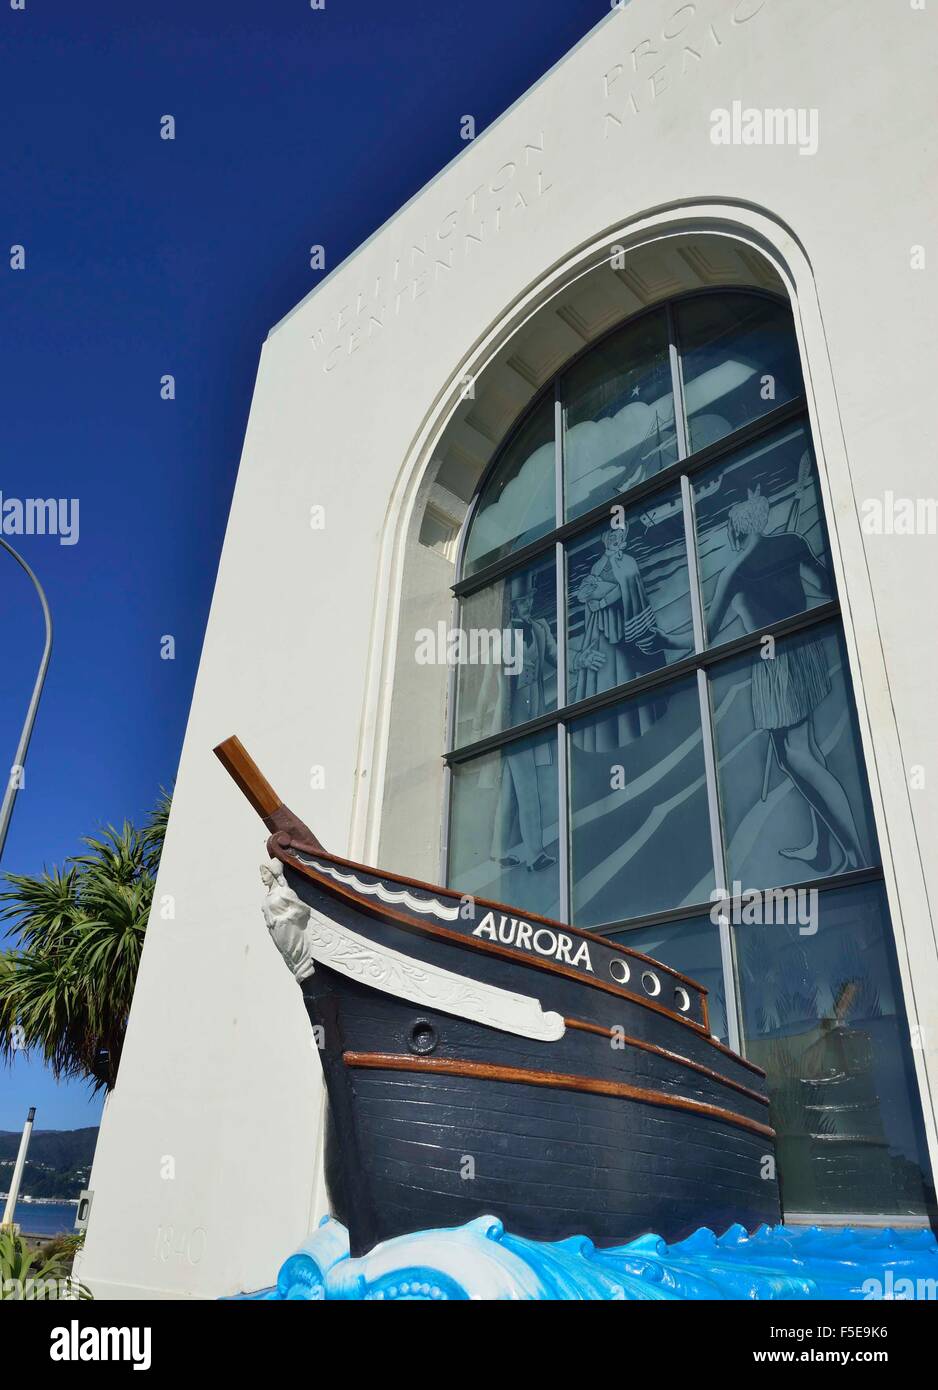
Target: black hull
point(436, 1119)
point(407, 1151)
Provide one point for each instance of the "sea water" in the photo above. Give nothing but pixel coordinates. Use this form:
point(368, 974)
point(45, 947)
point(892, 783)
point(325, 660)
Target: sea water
point(46, 1218)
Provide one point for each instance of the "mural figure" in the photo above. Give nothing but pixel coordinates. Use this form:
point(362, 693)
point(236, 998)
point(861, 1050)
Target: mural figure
point(621, 638)
point(764, 580)
point(506, 700)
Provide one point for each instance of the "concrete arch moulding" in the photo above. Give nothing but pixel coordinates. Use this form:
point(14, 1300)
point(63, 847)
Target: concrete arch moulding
point(398, 811)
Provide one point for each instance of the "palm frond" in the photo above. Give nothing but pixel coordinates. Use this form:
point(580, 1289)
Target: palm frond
point(67, 985)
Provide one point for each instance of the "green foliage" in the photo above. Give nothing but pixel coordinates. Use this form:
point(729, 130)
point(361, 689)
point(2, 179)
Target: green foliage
point(66, 987)
point(25, 1272)
point(63, 1248)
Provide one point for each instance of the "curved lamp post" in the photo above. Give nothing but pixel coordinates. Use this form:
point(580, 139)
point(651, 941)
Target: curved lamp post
point(12, 787)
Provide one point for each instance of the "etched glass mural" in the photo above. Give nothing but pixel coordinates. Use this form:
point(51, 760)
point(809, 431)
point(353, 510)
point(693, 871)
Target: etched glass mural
point(506, 673)
point(739, 360)
point(504, 825)
point(822, 1013)
point(761, 541)
point(690, 779)
point(792, 790)
point(637, 788)
point(618, 412)
point(517, 504)
point(628, 596)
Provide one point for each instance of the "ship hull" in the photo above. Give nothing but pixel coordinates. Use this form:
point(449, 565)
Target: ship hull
point(633, 1120)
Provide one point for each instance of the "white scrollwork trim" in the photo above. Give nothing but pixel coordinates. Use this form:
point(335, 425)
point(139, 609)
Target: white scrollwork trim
point(304, 936)
point(394, 973)
point(388, 895)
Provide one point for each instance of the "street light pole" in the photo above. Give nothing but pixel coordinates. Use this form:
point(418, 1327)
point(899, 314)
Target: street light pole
point(17, 1178)
point(15, 775)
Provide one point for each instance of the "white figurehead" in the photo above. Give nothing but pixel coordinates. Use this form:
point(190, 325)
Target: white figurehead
point(286, 919)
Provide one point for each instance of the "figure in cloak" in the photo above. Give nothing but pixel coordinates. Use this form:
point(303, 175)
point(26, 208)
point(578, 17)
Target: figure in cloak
point(765, 580)
point(621, 640)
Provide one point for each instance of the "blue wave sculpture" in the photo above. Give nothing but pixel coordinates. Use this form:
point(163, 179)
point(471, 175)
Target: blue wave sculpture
point(481, 1260)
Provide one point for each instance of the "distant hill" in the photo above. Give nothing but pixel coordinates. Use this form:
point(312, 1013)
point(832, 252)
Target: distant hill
point(59, 1161)
point(57, 1148)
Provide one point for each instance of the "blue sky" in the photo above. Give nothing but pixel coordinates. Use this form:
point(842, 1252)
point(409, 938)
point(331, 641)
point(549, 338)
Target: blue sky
point(145, 257)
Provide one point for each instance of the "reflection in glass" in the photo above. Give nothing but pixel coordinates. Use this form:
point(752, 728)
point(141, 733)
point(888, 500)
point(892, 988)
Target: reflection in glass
point(822, 1013)
point(739, 359)
point(761, 537)
point(508, 668)
point(518, 503)
point(640, 830)
point(628, 599)
point(618, 414)
point(692, 946)
point(790, 767)
point(503, 825)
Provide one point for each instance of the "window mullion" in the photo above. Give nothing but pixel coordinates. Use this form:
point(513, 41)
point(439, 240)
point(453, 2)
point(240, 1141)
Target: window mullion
point(693, 567)
point(559, 560)
point(730, 990)
point(558, 456)
point(560, 575)
point(677, 386)
point(733, 1030)
point(451, 678)
point(560, 567)
point(563, 825)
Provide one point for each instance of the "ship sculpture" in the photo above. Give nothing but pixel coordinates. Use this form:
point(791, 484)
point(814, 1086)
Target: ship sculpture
point(479, 1060)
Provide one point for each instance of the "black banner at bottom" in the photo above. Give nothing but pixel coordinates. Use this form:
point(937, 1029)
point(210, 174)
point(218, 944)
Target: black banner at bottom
point(167, 1340)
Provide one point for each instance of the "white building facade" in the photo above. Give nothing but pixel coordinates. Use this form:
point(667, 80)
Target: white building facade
point(647, 369)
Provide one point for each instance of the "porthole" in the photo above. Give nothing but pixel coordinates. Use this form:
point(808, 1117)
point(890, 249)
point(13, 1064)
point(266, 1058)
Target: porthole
point(423, 1037)
point(682, 999)
point(650, 983)
point(619, 970)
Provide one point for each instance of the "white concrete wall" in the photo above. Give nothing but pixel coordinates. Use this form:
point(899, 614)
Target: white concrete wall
point(299, 654)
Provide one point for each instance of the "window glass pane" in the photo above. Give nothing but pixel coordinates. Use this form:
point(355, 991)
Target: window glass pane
point(618, 414)
point(507, 662)
point(792, 784)
point(760, 536)
point(519, 501)
point(822, 1013)
point(503, 825)
point(739, 359)
point(637, 791)
point(627, 597)
point(691, 945)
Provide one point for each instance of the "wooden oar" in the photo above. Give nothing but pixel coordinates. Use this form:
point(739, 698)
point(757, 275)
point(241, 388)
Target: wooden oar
point(278, 818)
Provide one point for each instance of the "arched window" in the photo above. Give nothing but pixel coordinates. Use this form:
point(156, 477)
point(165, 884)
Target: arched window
point(653, 727)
